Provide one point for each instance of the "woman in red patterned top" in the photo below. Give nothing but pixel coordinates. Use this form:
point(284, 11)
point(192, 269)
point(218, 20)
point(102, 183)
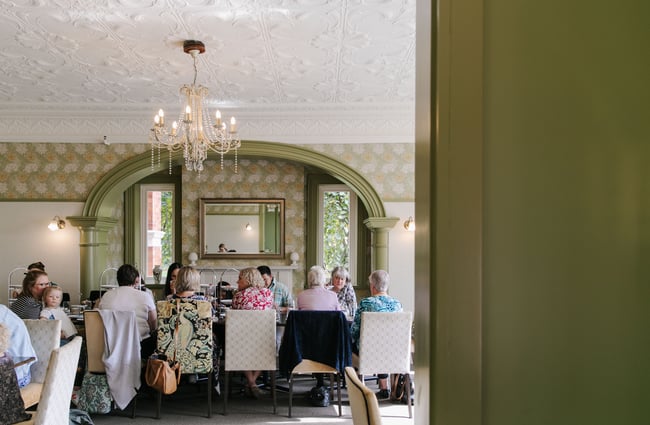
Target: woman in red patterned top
point(252, 295)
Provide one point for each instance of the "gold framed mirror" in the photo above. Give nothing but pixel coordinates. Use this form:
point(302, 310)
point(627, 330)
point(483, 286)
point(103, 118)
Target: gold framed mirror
point(241, 228)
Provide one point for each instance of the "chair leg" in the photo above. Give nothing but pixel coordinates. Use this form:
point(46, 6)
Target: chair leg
point(407, 384)
point(158, 403)
point(290, 393)
point(226, 383)
point(210, 394)
point(338, 390)
point(273, 391)
point(135, 399)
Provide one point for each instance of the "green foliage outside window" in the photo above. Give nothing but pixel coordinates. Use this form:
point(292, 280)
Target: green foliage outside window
point(336, 229)
point(167, 226)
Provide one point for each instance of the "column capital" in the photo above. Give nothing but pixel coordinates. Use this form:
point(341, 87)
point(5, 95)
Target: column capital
point(98, 223)
point(381, 222)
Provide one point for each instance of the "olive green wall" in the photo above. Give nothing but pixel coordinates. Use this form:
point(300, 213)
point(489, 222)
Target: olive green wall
point(561, 335)
point(567, 213)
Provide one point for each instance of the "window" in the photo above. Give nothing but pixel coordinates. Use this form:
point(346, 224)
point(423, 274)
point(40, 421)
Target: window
point(157, 230)
point(337, 227)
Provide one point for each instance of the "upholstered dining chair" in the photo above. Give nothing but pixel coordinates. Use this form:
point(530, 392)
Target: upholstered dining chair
point(192, 342)
point(250, 345)
point(101, 348)
point(363, 401)
point(45, 336)
point(54, 404)
point(385, 346)
point(315, 342)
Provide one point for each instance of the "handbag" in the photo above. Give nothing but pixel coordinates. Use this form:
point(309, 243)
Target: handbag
point(162, 374)
point(399, 392)
point(94, 396)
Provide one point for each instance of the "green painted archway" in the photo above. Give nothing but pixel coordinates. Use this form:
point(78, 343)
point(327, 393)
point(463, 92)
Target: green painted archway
point(96, 218)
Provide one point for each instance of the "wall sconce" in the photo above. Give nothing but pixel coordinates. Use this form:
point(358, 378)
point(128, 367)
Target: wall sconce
point(410, 224)
point(56, 224)
point(248, 227)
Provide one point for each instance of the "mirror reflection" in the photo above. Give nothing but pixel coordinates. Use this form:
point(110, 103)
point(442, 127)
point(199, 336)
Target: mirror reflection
point(241, 228)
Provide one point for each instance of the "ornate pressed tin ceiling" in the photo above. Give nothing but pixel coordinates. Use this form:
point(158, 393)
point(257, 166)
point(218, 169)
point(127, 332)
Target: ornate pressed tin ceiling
point(296, 71)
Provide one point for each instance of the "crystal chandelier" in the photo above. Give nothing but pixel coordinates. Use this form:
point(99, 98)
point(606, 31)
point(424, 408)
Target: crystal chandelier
point(195, 132)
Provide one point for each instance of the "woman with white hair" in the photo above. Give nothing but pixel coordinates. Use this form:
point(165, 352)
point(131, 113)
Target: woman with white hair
point(377, 301)
point(317, 297)
point(344, 291)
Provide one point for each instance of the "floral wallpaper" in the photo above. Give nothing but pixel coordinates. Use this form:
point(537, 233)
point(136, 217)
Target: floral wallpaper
point(261, 179)
point(68, 171)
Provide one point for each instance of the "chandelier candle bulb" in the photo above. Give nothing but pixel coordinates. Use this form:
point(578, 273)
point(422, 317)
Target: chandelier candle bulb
point(188, 113)
point(218, 118)
point(233, 125)
point(161, 116)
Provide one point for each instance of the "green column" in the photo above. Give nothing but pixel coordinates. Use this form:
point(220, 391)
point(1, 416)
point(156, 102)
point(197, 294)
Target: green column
point(379, 227)
point(93, 249)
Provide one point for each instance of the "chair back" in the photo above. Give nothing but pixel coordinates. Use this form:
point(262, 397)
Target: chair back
point(193, 341)
point(250, 340)
point(54, 405)
point(385, 342)
point(45, 336)
point(95, 341)
point(321, 336)
point(363, 401)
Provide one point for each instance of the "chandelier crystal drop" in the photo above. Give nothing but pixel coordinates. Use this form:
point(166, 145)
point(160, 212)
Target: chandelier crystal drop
point(195, 132)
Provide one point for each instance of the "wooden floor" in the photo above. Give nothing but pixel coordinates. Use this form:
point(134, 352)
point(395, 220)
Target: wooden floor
point(188, 407)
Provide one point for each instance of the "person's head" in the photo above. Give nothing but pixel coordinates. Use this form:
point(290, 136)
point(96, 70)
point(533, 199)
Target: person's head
point(316, 277)
point(379, 281)
point(127, 275)
point(265, 271)
point(37, 265)
point(189, 279)
point(172, 275)
point(52, 296)
point(34, 283)
point(250, 276)
point(222, 247)
point(340, 278)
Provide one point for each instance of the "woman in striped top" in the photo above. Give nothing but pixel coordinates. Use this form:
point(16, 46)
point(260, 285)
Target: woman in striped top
point(28, 303)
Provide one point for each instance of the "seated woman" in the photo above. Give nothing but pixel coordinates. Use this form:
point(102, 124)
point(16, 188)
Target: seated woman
point(377, 301)
point(252, 295)
point(344, 291)
point(170, 279)
point(187, 283)
point(28, 303)
point(317, 297)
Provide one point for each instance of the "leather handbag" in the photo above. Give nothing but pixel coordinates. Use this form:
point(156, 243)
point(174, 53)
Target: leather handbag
point(162, 374)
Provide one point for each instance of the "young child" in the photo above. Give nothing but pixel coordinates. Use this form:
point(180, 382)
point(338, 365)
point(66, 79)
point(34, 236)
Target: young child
point(52, 310)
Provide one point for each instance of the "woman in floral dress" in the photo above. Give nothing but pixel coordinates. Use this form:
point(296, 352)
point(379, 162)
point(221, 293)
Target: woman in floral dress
point(252, 295)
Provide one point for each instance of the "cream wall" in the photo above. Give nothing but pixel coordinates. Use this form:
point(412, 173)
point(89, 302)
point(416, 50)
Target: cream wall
point(26, 239)
point(401, 254)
